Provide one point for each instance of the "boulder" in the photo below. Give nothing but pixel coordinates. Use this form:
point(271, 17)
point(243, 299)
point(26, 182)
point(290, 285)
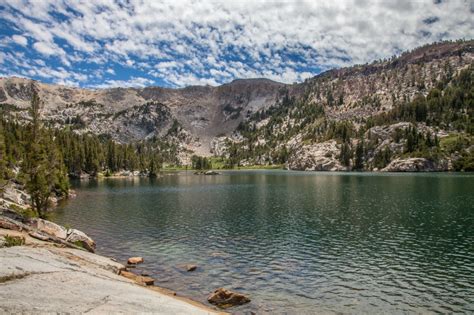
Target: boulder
point(211, 173)
point(135, 260)
point(415, 165)
point(50, 228)
point(80, 238)
point(191, 268)
point(225, 298)
point(9, 224)
point(143, 280)
point(316, 157)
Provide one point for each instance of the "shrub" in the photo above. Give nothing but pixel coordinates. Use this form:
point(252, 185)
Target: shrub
point(11, 241)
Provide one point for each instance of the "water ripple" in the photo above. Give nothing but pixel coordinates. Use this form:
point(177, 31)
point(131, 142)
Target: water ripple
point(298, 243)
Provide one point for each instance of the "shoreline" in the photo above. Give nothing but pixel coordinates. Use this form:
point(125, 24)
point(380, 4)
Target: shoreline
point(53, 246)
point(19, 269)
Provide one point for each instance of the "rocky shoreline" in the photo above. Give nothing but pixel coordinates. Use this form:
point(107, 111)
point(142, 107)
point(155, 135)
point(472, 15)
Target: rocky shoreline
point(45, 277)
point(37, 253)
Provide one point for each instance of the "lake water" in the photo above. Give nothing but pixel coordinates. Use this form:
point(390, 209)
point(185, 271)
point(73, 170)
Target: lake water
point(296, 243)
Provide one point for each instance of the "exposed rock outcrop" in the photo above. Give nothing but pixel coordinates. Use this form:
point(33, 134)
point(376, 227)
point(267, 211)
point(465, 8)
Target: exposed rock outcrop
point(47, 279)
point(50, 228)
point(415, 165)
point(316, 157)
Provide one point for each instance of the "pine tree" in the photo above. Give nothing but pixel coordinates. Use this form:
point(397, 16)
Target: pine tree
point(3, 161)
point(154, 166)
point(346, 154)
point(359, 155)
point(43, 164)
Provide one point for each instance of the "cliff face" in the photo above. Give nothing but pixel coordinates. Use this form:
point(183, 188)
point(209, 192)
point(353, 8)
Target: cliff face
point(274, 115)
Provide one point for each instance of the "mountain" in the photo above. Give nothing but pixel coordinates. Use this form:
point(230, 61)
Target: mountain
point(131, 114)
point(362, 116)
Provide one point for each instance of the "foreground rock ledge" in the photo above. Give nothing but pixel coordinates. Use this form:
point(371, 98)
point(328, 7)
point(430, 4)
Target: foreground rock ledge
point(41, 278)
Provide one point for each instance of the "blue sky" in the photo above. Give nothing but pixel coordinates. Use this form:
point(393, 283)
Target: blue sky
point(106, 43)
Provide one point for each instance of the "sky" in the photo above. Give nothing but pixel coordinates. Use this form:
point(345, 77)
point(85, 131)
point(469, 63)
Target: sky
point(177, 43)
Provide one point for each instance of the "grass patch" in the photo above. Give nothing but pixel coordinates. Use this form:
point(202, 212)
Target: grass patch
point(11, 241)
point(79, 244)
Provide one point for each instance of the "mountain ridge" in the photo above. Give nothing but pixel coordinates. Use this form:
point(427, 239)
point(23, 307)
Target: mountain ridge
point(209, 118)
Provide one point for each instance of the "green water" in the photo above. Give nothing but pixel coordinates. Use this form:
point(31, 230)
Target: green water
point(296, 243)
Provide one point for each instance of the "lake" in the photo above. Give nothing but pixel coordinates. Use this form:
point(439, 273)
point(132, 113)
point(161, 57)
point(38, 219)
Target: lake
point(295, 242)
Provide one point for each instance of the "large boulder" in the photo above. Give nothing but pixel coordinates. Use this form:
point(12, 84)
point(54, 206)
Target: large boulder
point(414, 165)
point(225, 298)
point(50, 228)
point(80, 238)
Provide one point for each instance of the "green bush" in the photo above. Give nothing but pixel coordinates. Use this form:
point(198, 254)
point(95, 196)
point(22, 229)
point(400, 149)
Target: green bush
point(11, 241)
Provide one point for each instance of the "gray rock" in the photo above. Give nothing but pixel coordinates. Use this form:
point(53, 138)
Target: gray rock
point(316, 157)
point(414, 165)
point(79, 237)
point(50, 228)
point(61, 280)
point(225, 298)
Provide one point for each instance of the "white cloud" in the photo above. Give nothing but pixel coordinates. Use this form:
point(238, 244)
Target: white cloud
point(20, 40)
point(133, 82)
point(44, 48)
point(211, 42)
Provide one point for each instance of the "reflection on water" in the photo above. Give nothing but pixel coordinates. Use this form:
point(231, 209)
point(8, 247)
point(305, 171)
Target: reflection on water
point(295, 242)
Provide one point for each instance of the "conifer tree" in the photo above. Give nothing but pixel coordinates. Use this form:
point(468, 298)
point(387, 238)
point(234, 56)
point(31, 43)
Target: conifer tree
point(3, 162)
point(359, 155)
point(43, 164)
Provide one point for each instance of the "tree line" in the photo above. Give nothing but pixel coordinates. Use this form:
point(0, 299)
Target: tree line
point(41, 159)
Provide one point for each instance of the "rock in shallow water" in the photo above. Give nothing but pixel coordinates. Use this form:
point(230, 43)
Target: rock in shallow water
point(225, 298)
point(143, 280)
point(135, 260)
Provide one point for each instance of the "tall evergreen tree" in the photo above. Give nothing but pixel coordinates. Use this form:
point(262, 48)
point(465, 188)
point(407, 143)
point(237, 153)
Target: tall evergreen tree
point(43, 165)
point(359, 155)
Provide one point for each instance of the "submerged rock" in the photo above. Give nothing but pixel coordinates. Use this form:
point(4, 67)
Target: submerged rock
point(206, 173)
point(135, 260)
point(211, 173)
point(225, 298)
point(81, 238)
point(191, 267)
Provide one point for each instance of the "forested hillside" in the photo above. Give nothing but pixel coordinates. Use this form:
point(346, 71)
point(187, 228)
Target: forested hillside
point(411, 112)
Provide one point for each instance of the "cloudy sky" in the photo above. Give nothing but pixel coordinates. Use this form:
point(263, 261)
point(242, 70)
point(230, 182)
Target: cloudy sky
point(175, 43)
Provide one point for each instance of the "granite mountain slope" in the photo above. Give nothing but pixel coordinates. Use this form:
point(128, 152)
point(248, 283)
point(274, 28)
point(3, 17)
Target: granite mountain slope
point(259, 121)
